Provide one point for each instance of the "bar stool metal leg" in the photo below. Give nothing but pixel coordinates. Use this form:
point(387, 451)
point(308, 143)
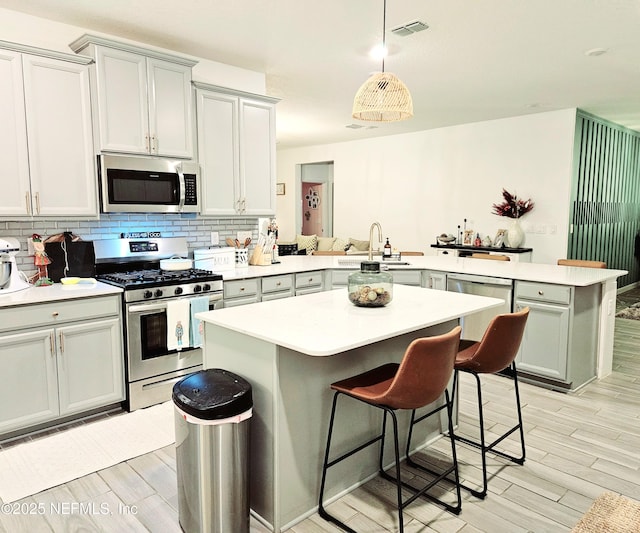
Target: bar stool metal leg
point(482, 445)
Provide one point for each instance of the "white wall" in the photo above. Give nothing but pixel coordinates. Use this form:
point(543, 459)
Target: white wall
point(42, 33)
point(422, 184)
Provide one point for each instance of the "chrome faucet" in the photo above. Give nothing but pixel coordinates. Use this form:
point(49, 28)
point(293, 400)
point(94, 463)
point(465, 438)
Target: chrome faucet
point(374, 225)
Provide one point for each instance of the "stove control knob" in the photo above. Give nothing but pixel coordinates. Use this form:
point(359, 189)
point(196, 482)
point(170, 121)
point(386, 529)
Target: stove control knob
point(178, 291)
point(197, 288)
point(147, 294)
point(158, 293)
point(206, 287)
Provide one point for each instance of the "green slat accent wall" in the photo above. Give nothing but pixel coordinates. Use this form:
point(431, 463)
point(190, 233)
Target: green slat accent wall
point(605, 195)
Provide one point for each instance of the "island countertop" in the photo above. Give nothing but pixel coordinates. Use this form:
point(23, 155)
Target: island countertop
point(327, 323)
point(514, 270)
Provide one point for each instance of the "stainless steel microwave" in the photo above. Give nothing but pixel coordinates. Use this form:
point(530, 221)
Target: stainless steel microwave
point(132, 184)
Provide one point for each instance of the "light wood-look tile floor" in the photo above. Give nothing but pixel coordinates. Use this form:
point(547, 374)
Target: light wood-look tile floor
point(578, 446)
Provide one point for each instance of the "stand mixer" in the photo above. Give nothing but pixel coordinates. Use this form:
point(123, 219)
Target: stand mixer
point(10, 280)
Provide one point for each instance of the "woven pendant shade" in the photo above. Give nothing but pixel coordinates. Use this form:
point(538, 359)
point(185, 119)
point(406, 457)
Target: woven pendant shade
point(383, 98)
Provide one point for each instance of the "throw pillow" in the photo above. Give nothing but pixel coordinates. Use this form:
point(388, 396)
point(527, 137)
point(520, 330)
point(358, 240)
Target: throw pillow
point(307, 242)
point(325, 244)
point(340, 245)
point(362, 246)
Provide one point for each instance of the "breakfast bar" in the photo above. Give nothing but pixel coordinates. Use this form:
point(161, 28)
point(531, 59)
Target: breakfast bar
point(291, 356)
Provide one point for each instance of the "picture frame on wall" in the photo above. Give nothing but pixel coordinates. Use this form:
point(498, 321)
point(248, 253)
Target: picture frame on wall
point(498, 242)
point(467, 238)
point(280, 189)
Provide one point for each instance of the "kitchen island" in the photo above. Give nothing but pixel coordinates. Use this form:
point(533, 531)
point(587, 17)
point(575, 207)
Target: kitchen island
point(291, 350)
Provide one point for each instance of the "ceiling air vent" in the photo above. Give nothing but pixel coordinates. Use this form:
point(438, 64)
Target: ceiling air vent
point(409, 28)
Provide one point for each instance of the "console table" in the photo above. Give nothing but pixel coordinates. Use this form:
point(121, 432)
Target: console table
point(459, 250)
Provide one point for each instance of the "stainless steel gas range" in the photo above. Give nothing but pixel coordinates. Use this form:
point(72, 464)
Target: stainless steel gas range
point(153, 365)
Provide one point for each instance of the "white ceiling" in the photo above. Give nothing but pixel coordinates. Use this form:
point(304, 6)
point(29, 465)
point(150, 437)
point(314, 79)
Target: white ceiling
point(479, 59)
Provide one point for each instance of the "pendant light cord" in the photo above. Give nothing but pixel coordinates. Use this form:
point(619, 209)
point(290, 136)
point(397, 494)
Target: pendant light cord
point(384, 24)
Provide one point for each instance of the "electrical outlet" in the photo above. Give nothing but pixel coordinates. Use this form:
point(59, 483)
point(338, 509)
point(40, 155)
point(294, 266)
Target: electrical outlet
point(243, 235)
point(553, 229)
point(215, 238)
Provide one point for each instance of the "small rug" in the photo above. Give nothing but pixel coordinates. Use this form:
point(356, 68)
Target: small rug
point(34, 466)
point(610, 513)
point(632, 313)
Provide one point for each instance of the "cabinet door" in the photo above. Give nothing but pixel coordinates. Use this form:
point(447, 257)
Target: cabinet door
point(16, 197)
point(436, 280)
point(58, 111)
point(170, 114)
point(122, 101)
point(28, 386)
point(257, 157)
point(218, 153)
point(544, 348)
point(90, 365)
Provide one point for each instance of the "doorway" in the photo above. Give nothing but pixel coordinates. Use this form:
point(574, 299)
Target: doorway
point(314, 193)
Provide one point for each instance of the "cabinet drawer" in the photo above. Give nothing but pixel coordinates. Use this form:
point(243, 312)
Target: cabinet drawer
point(543, 292)
point(277, 283)
point(340, 278)
point(54, 313)
point(309, 279)
point(407, 277)
point(242, 287)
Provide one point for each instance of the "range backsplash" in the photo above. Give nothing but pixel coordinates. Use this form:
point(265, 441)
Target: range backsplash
point(196, 230)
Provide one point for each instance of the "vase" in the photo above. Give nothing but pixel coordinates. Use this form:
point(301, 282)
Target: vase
point(515, 234)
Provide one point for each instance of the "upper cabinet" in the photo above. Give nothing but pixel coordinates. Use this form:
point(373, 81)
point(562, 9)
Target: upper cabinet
point(143, 99)
point(46, 146)
point(236, 151)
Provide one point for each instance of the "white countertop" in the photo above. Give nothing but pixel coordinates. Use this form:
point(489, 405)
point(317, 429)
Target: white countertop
point(516, 270)
point(335, 325)
point(55, 292)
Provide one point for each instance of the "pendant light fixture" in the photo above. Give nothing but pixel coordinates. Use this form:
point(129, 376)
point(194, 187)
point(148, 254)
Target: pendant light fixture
point(383, 97)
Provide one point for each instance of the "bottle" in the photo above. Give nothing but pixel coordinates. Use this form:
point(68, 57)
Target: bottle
point(386, 252)
point(369, 287)
point(477, 242)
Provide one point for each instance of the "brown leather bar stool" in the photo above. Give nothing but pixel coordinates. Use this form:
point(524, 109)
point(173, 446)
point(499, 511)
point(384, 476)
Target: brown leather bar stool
point(419, 380)
point(582, 263)
point(495, 352)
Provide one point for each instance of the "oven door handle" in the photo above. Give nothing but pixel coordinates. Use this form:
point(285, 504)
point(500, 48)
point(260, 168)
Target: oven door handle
point(143, 308)
point(147, 307)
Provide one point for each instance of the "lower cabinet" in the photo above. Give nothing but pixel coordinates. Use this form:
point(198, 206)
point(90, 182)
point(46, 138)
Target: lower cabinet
point(241, 292)
point(52, 371)
point(560, 342)
point(308, 282)
point(434, 280)
point(276, 287)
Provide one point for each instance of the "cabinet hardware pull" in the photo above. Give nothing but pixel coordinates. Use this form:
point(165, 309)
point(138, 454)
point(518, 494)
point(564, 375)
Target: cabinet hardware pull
point(55, 314)
point(278, 284)
point(61, 343)
point(52, 344)
point(241, 289)
point(38, 203)
point(154, 144)
point(146, 143)
point(540, 293)
point(27, 197)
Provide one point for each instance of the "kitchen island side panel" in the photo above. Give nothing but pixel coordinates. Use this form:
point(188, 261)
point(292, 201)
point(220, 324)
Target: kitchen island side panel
point(292, 404)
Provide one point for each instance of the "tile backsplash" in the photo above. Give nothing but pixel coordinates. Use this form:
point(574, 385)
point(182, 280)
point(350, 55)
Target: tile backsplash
point(196, 230)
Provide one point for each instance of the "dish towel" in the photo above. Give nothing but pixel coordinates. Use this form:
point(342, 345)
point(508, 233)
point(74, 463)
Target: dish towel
point(178, 314)
point(198, 305)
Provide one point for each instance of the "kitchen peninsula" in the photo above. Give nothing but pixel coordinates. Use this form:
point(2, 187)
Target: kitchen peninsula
point(291, 350)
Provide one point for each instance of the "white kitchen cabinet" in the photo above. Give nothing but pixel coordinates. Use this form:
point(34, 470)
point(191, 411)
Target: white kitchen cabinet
point(144, 100)
point(236, 152)
point(276, 287)
point(59, 359)
point(241, 292)
point(560, 342)
point(46, 142)
point(90, 365)
point(434, 280)
point(309, 282)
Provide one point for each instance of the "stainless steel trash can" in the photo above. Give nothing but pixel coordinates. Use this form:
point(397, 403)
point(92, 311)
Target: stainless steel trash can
point(212, 417)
